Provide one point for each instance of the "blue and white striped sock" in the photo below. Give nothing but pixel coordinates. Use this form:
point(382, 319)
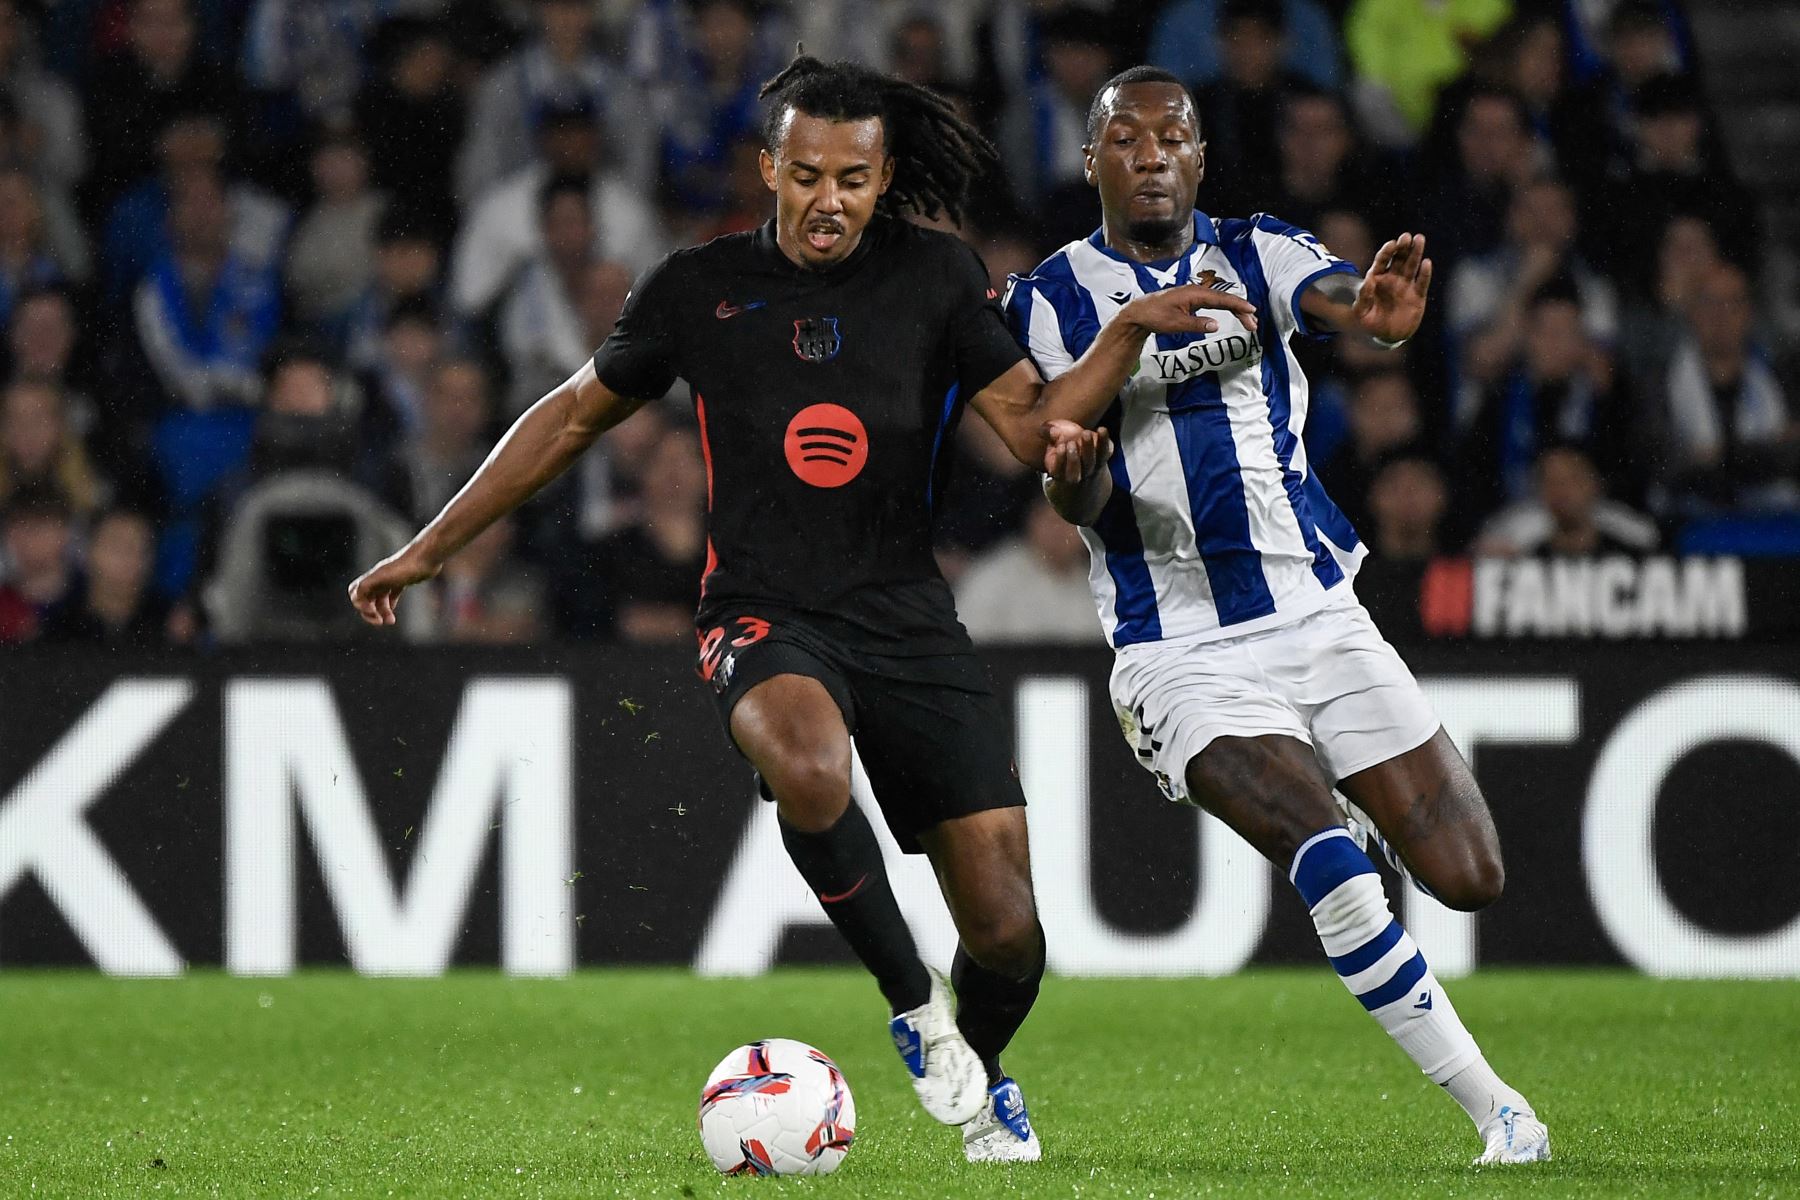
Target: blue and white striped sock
point(1384, 970)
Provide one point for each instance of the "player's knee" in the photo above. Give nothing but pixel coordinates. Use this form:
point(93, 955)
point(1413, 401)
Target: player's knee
point(1010, 945)
point(811, 787)
point(1006, 942)
point(1477, 884)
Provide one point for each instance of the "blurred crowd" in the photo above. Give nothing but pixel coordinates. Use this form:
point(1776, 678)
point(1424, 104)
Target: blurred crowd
point(274, 274)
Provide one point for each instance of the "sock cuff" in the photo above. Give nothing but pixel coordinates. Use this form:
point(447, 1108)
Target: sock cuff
point(1324, 861)
point(1459, 1056)
point(852, 829)
point(837, 859)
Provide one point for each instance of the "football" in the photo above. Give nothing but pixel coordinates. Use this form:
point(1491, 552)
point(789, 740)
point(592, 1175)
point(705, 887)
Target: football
point(776, 1107)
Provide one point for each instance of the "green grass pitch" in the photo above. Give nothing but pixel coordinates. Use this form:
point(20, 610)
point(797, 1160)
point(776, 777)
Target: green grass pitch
point(1272, 1083)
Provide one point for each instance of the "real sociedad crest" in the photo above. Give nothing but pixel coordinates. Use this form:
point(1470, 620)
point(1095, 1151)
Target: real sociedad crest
point(816, 339)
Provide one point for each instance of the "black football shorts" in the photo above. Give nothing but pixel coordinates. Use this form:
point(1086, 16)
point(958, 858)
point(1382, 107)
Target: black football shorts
point(928, 729)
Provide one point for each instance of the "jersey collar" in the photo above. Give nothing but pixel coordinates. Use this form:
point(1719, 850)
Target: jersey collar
point(1203, 232)
point(873, 232)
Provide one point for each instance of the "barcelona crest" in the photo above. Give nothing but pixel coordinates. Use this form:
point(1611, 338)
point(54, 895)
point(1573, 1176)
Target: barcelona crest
point(816, 339)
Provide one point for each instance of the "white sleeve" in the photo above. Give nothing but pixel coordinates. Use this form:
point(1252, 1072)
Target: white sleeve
point(1044, 321)
point(1292, 260)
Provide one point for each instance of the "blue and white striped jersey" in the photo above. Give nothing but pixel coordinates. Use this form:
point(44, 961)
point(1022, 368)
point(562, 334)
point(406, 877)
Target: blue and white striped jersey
point(1216, 526)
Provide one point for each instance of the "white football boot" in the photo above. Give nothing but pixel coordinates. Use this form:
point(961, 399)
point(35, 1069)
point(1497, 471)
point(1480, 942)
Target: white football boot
point(1002, 1131)
point(946, 1073)
point(1514, 1137)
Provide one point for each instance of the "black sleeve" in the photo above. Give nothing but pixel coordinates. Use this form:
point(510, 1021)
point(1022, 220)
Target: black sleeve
point(984, 348)
point(638, 358)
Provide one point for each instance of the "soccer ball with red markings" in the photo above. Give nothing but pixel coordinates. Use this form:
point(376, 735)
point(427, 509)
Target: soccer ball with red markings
point(776, 1107)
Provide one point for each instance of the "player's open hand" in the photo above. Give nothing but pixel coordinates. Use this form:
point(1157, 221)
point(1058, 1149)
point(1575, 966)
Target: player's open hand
point(377, 590)
point(1173, 310)
point(1391, 302)
point(1074, 453)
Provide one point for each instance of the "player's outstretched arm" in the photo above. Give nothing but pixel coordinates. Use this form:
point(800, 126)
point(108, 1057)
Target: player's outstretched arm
point(541, 445)
point(1387, 305)
point(1076, 481)
point(1019, 403)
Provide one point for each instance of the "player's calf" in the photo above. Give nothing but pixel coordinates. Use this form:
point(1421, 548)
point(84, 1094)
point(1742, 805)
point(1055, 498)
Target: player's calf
point(844, 867)
point(1473, 886)
point(983, 862)
point(1382, 967)
point(1426, 806)
point(993, 1004)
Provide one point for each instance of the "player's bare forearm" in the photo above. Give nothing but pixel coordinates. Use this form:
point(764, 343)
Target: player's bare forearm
point(1386, 305)
point(1085, 391)
point(541, 445)
point(1330, 303)
point(1020, 403)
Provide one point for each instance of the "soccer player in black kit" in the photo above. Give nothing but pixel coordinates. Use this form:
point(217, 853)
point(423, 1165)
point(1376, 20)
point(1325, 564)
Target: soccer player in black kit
point(830, 354)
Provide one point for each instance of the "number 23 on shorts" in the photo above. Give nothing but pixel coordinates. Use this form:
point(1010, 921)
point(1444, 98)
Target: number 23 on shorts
point(750, 630)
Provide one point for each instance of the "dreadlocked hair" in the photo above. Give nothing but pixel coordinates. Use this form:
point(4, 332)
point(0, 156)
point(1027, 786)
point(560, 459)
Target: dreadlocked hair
point(937, 155)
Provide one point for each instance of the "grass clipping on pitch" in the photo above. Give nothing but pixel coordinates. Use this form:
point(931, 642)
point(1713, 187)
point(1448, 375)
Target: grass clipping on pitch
point(1269, 1084)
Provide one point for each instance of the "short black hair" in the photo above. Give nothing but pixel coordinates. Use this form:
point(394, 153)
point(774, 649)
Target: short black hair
point(1267, 13)
point(1668, 94)
point(558, 185)
point(1481, 90)
point(1141, 74)
point(1560, 288)
point(938, 156)
point(421, 308)
point(403, 222)
point(1415, 453)
point(1632, 15)
point(1075, 26)
point(37, 500)
point(1302, 92)
point(397, 35)
point(39, 291)
point(576, 111)
point(294, 348)
point(338, 131)
point(1565, 445)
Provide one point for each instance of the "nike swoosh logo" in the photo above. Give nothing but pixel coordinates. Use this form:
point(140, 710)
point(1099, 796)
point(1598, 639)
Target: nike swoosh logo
point(726, 310)
point(854, 888)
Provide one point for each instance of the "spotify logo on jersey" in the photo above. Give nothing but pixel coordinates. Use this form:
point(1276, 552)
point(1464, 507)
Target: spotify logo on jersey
point(826, 445)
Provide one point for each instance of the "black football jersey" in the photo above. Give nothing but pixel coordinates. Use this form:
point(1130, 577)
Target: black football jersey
point(826, 402)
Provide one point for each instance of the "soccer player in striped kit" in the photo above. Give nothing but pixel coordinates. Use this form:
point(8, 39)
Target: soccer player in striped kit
point(1248, 677)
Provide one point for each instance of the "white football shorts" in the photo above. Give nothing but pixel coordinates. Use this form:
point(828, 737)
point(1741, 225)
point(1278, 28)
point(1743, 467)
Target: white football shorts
point(1329, 679)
